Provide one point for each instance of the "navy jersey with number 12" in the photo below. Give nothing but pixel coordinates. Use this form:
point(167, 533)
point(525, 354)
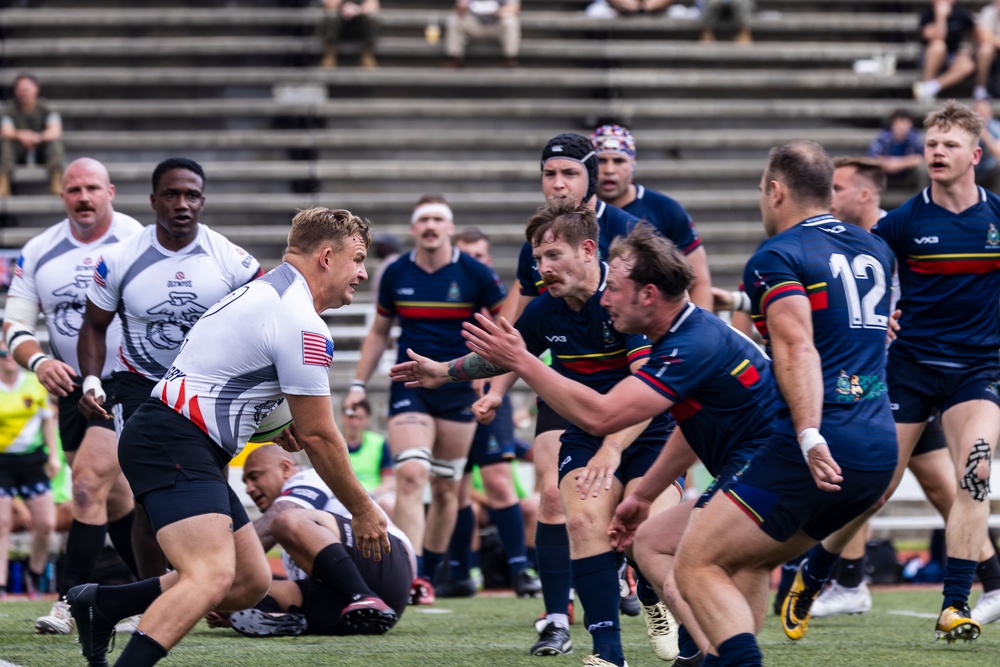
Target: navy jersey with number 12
point(846, 274)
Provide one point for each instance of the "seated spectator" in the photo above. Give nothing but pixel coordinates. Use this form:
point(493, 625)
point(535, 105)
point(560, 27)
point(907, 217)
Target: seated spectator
point(481, 20)
point(353, 20)
point(332, 589)
point(987, 170)
point(738, 11)
point(946, 29)
point(32, 134)
point(626, 7)
point(988, 38)
point(29, 458)
point(370, 455)
point(900, 149)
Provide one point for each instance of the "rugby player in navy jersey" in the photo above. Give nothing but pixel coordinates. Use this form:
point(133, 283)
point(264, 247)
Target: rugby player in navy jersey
point(593, 472)
point(947, 241)
point(431, 290)
point(569, 172)
point(616, 153)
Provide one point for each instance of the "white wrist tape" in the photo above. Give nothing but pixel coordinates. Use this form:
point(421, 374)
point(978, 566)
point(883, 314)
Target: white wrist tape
point(358, 384)
point(741, 302)
point(93, 383)
point(17, 334)
point(36, 359)
point(809, 438)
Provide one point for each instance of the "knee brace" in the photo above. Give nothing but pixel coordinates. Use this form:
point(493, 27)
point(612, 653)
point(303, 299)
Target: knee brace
point(417, 454)
point(450, 469)
point(978, 488)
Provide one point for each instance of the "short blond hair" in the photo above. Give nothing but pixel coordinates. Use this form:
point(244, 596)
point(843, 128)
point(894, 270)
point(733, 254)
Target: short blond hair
point(954, 113)
point(313, 227)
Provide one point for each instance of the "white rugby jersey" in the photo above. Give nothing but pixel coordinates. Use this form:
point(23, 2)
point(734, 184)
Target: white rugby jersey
point(308, 489)
point(161, 293)
point(55, 270)
point(262, 341)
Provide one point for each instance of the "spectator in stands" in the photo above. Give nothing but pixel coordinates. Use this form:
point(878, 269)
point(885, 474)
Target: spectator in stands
point(946, 30)
point(900, 149)
point(355, 20)
point(737, 11)
point(32, 133)
point(988, 169)
point(370, 455)
point(480, 20)
point(29, 458)
point(988, 39)
point(626, 7)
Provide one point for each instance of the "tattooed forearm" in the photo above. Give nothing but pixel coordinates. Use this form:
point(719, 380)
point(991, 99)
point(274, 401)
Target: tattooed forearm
point(472, 367)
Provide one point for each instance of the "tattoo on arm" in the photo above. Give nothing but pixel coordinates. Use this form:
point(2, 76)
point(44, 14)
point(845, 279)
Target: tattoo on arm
point(263, 523)
point(472, 367)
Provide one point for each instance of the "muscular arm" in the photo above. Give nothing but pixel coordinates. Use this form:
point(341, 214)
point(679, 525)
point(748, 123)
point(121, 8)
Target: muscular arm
point(796, 364)
point(91, 350)
point(317, 433)
point(472, 367)
point(262, 525)
point(701, 291)
point(21, 315)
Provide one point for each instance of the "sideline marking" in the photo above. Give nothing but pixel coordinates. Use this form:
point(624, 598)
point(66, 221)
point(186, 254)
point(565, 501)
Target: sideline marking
point(914, 614)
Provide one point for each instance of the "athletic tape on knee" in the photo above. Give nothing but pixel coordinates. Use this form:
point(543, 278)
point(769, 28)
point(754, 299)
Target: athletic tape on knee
point(978, 488)
point(417, 454)
point(450, 469)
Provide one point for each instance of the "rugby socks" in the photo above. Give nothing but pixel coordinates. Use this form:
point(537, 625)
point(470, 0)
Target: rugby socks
point(643, 589)
point(686, 646)
point(988, 572)
point(510, 527)
point(432, 561)
point(128, 599)
point(83, 545)
point(554, 570)
point(595, 579)
point(851, 572)
point(788, 570)
point(120, 532)
point(460, 548)
point(141, 651)
point(958, 576)
point(740, 651)
point(336, 571)
point(532, 557)
point(818, 567)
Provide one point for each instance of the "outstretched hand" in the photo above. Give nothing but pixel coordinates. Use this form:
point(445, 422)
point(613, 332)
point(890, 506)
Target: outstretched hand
point(499, 343)
point(421, 372)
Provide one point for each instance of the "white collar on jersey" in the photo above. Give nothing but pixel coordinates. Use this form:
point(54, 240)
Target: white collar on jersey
point(927, 194)
point(683, 316)
point(600, 208)
point(640, 190)
point(455, 254)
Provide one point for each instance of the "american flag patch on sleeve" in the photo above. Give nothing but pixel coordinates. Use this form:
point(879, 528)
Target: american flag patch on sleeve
point(317, 350)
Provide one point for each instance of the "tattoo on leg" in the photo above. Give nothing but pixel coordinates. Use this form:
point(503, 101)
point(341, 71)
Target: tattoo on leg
point(978, 488)
point(472, 367)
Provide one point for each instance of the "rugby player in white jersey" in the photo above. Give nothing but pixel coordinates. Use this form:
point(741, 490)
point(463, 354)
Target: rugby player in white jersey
point(52, 275)
point(262, 344)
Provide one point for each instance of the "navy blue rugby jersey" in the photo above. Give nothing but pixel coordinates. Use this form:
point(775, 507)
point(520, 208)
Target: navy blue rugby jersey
point(612, 222)
point(846, 274)
point(432, 306)
point(949, 276)
point(667, 215)
point(720, 382)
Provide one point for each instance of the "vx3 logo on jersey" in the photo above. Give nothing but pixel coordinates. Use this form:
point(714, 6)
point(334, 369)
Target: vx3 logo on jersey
point(556, 339)
point(924, 240)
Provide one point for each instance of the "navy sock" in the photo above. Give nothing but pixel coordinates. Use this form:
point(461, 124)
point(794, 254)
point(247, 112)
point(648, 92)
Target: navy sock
point(788, 570)
point(510, 527)
point(711, 660)
point(851, 572)
point(595, 579)
point(420, 565)
point(460, 548)
point(83, 545)
point(818, 567)
point(141, 651)
point(532, 557)
point(552, 542)
point(120, 532)
point(988, 572)
point(643, 589)
point(685, 644)
point(120, 602)
point(432, 561)
point(740, 651)
point(958, 576)
point(337, 572)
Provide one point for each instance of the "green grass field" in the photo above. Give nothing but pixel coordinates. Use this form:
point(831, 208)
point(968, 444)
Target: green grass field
point(491, 631)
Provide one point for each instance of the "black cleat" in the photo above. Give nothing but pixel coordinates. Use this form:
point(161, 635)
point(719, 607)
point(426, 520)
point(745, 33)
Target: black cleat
point(95, 629)
point(463, 588)
point(257, 623)
point(690, 660)
point(368, 616)
point(526, 583)
point(553, 640)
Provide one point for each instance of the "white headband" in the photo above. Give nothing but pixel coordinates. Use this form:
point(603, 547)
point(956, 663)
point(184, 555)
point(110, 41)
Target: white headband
point(442, 210)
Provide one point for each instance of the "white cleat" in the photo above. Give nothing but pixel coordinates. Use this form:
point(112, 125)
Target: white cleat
point(661, 628)
point(129, 625)
point(837, 600)
point(987, 608)
point(598, 661)
point(58, 622)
